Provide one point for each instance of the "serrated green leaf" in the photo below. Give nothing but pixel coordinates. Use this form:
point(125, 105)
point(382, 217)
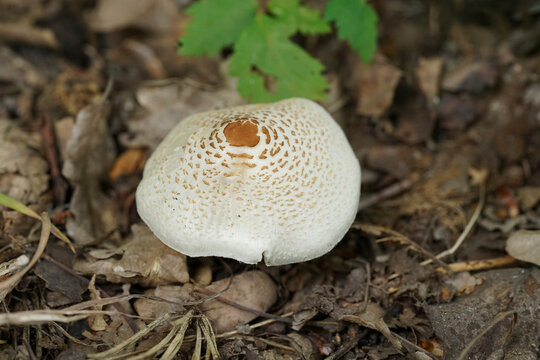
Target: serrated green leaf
point(357, 23)
point(215, 24)
point(264, 47)
point(301, 18)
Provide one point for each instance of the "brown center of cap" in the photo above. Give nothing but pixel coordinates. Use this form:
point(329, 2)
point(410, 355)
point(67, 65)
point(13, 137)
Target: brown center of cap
point(241, 133)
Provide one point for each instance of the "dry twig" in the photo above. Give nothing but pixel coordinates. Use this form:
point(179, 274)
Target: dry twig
point(475, 265)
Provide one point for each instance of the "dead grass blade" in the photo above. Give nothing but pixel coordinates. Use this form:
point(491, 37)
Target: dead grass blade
point(7, 285)
point(172, 341)
point(178, 340)
point(198, 343)
point(210, 336)
point(160, 345)
point(13, 204)
point(121, 346)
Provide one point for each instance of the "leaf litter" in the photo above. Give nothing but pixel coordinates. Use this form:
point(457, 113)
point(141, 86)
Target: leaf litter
point(441, 100)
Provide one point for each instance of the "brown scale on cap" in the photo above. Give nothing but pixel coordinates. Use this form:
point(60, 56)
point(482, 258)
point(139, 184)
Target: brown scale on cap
point(241, 133)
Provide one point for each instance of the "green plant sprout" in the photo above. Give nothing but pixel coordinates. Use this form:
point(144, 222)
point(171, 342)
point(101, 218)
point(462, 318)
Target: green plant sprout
point(268, 64)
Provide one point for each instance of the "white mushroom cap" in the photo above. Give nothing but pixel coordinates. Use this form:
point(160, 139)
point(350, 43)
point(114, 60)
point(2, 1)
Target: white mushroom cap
point(275, 180)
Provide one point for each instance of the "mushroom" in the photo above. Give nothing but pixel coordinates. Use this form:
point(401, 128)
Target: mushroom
point(278, 181)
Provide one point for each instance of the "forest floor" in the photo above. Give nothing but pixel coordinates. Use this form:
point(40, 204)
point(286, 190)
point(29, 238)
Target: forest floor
point(445, 122)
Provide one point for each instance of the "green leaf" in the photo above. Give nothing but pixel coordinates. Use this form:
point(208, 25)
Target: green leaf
point(215, 24)
point(301, 18)
point(264, 49)
point(356, 22)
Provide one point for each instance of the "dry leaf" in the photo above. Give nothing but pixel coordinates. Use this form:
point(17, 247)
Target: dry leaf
point(15, 69)
point(253, 289)
point(471, 76)
point(167, 103)
point(373, 317)
point(524, 245)
point(489, 344)
point(428, 73)
point(90, 152)
point(23, 170)
point(60, 281)
point(152, 309)
point(516, 290)
point(528, 197)
point(62, 130)
point(127, 163)
point(144, 260)
point(375, 85)
point(151, 15)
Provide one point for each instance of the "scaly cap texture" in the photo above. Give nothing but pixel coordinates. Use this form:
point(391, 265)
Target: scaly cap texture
point(278, 181)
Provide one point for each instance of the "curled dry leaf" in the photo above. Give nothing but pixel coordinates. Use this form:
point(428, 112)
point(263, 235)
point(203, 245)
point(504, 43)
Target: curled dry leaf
point(167, 103)
point(375, 86)
point(252, 289)
point(90, 152)
point(373, 317)
point(524, 245)
point(144, 260)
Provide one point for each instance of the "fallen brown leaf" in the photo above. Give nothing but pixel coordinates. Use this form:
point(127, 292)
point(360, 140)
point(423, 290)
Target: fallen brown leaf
point(113, 15)
point(375, 86)
point(23, 170)
point(167, 103)
point(90, 151)
point(252, 289)
point(428, 73)
point(144, 260)
point(128, 162)
point(524, 245)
